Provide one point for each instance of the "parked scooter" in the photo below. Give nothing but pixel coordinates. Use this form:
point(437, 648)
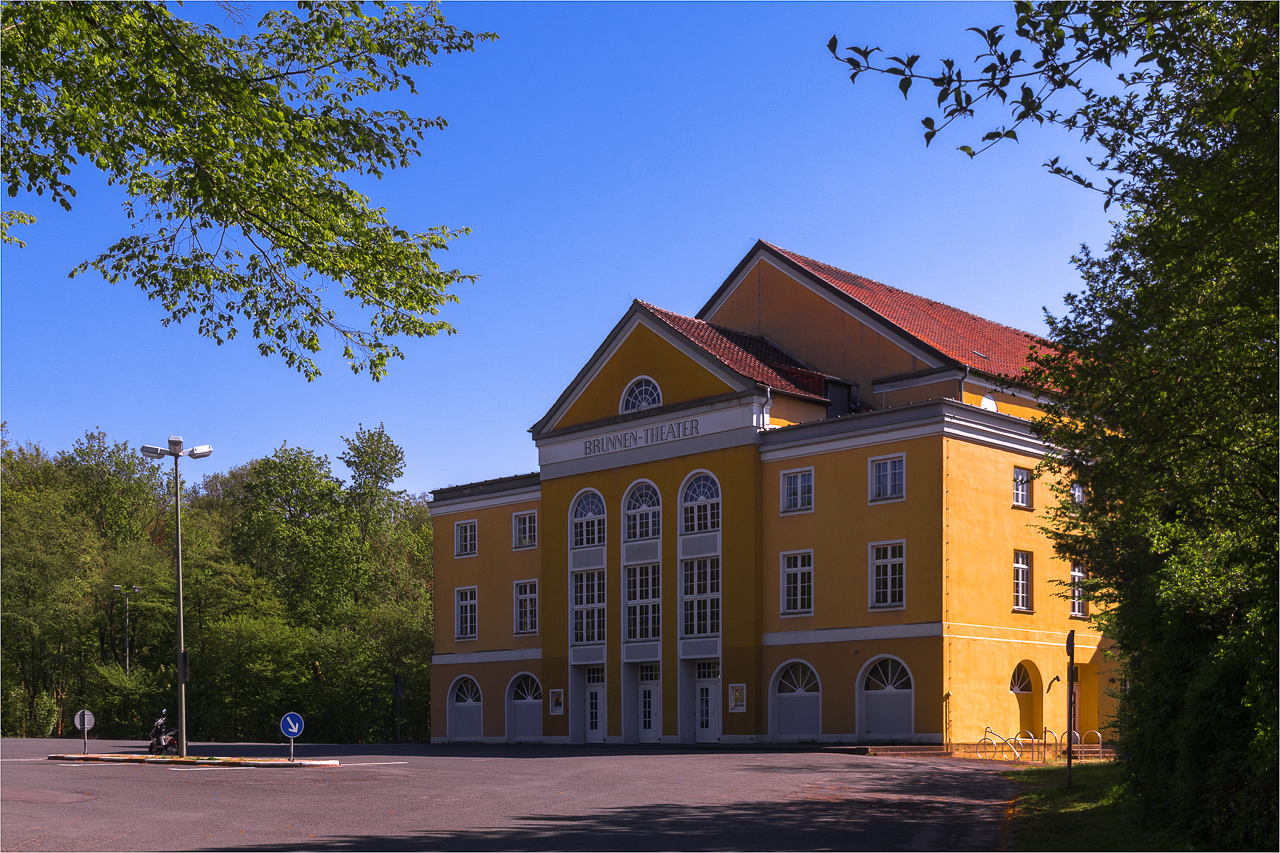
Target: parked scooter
point(163, 740)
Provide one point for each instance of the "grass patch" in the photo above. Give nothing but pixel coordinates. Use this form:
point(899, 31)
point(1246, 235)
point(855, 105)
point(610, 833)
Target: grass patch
point(1095, 813)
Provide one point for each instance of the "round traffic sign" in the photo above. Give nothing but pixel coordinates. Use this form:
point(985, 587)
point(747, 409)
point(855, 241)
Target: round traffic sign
point(84, 720)
point(291, 724)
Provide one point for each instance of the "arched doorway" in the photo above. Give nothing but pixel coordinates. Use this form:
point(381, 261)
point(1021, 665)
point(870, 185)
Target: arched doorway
point(524, 708)
point(886, 693)
point(1024, 684)
point(797, 701)
point(466, 710)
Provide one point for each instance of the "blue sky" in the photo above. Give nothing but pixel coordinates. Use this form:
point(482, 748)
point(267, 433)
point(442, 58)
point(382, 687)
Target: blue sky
point(600, 153)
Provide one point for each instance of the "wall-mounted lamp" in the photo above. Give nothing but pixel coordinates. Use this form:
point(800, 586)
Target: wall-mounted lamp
point(1050, 684)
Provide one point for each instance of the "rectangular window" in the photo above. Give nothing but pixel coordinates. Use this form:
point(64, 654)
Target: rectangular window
point(588, 531)
point(644, 613)
point(1022, 487)
point(708, 669)
point(797, 583)
point(650, 672)
point(1021, 580)
point(1077, 591)
point(888, 574)
point(701, 591)
point(588, 607)
point(524, 530)
point(464, 539)
point(526, 607)
point(595, 675)
point(466, 613)
point(797, 491)
point(1077, 493)
point(888, 478)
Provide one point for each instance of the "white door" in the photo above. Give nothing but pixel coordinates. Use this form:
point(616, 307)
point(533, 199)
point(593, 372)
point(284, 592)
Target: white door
point(707, 694)
point(650, 712)
point(888, 700)
point(525, 709)
point(468, 713)
point(595, 710)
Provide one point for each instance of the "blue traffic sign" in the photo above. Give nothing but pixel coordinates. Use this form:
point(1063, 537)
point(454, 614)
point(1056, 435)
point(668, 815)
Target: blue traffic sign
point(291, 724)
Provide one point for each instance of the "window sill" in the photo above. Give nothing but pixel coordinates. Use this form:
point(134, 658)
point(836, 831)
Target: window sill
point(524, 633)
point(462, 556)
point(469, 639)
point(1024, 610)
point(791, 614)
point(801, 511)
point(524, 547)
point(1023, 507)
point(874, 607)
point(888, 500)
point(1079, 617)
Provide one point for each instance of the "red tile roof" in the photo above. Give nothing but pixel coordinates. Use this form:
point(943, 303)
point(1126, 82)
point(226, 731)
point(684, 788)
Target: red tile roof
point(751, 356)
point(981, 344)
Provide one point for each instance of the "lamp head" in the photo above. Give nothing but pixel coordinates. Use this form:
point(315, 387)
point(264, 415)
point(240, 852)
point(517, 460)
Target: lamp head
point(137, 588)
point(175, 444)
point(116, 587)
point(152, 452)
point(200, 452)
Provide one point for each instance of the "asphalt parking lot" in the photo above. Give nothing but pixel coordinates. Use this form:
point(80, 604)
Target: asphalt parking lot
point(416, 797)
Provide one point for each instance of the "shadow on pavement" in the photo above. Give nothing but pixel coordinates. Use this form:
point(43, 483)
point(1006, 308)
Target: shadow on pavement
point(794, 824)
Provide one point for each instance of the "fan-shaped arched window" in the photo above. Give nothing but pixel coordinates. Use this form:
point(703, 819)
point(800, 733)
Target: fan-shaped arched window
point(643, 393)
point(888, 674)
point(527, 689)
point(467, 692)
point(798, 678)
point(644, 513)
point(702, 504)
point(588, 520)
point(1021, 680)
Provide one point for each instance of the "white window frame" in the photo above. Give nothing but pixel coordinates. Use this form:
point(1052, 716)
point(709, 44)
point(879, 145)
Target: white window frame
point(597, 528)
point(516, 517)
point(799, 570)
point(460, 604)
point(622, 401)
point(517, 597)
point(784, 494)
point(643, 616)
point(654, 514)
point(872, 562)
point(593, 611)
point(871, 478)
point(1079, 606)
point(458, 527)
point(1077, 493)
point(689, 600)
point(1023, 575)
point(690, 523)
point(1023, 497)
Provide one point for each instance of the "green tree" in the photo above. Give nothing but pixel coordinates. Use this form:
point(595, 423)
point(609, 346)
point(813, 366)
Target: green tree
point(231, 151)
point(1164, 377)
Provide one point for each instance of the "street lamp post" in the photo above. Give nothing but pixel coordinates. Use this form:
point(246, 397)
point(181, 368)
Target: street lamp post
point(126, 593)
point(175, 450)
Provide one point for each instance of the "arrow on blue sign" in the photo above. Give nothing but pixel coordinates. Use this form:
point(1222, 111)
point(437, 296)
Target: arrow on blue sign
point(291, 724)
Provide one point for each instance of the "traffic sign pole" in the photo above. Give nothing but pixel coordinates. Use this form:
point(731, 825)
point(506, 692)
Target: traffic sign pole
point(84, 722)
point(291, 726)
point(1071, 693)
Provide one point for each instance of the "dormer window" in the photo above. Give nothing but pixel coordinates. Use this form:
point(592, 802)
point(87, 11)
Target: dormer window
point(643, 393)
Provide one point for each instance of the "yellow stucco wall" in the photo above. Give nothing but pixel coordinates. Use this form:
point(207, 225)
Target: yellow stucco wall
point(642, 353)
point(771, 303)
point(737, 470)
point(786, 411)
point(493, 571)
point(933, 391)
point(1019, 407)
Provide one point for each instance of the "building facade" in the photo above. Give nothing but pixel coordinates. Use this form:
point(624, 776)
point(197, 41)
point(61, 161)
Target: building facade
point(808, 513)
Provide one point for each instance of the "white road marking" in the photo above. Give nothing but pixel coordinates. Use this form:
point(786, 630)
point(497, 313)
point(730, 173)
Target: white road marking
point(364, 763)
point(24, 759)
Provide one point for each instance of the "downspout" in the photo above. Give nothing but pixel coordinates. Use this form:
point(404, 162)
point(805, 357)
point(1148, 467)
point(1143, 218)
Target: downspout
point(768, 405)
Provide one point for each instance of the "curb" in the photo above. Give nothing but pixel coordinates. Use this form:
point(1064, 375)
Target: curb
point(204, 761)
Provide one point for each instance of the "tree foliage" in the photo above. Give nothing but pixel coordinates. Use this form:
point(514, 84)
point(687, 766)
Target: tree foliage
point(286, 605)
point(1164, 378)
point(232, 152)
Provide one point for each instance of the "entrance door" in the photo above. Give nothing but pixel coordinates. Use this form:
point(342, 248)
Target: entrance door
point(594, 707)
point(708, 699)
point(650, 712)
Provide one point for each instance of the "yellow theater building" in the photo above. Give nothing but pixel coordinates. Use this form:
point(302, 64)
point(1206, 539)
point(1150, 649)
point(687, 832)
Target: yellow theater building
point(808, 513)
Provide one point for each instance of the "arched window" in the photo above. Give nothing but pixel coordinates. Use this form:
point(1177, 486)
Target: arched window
point(467, 692)
point(702, 505)
point(798, 678)
point(1021, 680)
point(643, 393)
point(888, 674)
point(588, 520)
point(527, 689)
point(644, 513)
